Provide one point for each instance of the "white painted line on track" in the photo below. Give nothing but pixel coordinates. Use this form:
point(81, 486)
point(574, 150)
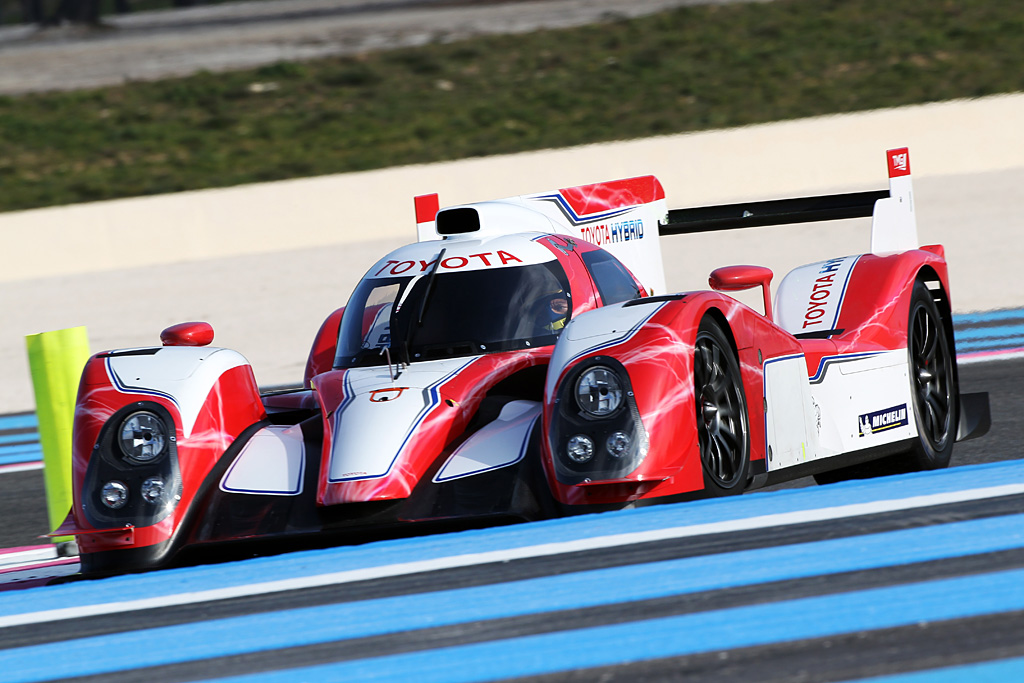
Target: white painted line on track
point(21, 467)
point(38, 553)
point(505, 555)
point(989, 356)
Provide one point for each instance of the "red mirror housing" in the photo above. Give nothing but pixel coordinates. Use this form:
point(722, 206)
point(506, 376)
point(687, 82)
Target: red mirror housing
point(188, 334)
point(738, 278)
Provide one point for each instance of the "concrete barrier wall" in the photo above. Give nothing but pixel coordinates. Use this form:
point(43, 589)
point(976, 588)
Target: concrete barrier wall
point(266, 263)
point(766, 161)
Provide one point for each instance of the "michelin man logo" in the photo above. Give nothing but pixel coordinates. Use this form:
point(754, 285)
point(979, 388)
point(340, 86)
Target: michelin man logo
point(865, 425)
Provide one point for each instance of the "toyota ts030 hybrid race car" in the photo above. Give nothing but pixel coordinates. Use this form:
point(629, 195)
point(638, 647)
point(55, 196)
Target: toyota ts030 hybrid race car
point(523, 360)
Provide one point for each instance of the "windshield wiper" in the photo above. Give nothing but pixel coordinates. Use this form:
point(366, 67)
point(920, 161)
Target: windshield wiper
point(427, 289)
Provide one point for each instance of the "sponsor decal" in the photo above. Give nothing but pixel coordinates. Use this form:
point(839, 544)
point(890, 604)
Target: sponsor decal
point(899, 162)
point(882, 420)
point(486, 259)
point(613, 233)
point(826, 293)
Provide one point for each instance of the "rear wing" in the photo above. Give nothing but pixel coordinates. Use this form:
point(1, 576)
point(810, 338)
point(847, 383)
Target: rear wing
point(893, 226)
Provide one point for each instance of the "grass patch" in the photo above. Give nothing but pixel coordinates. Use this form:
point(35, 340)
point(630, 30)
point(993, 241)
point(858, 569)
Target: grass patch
point(689, 69)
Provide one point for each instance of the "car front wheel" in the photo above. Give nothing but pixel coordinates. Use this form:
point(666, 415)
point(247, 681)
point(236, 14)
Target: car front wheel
point(722, 429)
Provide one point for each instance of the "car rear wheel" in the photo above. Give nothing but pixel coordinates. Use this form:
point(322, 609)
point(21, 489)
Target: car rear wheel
point(932, 382)
point(722, 429)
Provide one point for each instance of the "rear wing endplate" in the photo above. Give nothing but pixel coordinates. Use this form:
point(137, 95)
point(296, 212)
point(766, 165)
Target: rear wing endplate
point(893, 228)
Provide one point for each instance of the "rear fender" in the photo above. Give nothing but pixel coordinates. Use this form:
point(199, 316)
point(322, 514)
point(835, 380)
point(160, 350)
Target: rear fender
point(860, 300)
point(878, 297)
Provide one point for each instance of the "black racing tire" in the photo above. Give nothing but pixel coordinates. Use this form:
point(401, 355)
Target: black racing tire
point(723, 432)
point(933, 383)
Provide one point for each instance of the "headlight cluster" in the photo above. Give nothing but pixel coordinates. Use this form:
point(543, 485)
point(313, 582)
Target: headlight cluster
point(142, 437)
point(133, 477)
point(597, 432)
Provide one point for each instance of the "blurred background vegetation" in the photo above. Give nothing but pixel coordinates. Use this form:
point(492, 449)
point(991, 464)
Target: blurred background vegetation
point(689, 69)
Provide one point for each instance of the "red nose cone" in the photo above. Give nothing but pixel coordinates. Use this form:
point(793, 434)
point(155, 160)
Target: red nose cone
point(187, 334)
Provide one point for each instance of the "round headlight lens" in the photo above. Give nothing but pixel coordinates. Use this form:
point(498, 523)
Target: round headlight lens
point(143, 436)
point(580, 448)
point(618, 444)
point(599, 391)
point(152, 490)
point(114, 495)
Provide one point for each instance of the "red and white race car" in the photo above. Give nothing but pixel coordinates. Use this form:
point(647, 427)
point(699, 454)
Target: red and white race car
point(522, 360)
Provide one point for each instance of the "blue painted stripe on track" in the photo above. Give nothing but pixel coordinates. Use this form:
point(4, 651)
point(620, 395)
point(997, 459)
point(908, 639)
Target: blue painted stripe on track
point(18, 421)
point(20, 449)
point(1002, 331)
point(19, 438)
point(312, 625)
point(378, 554)
point(681, 635)
point(988, 316)
point(982, 672)
point(34, 455)
point(989, 344)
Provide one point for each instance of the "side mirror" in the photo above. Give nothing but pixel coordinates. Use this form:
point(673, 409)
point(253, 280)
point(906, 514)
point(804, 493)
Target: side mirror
point(738, 278)
point(188, 334)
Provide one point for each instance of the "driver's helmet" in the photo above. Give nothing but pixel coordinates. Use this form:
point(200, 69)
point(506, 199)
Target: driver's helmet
point(555, 312)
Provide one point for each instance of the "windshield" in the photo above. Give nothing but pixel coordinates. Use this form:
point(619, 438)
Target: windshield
point(464, 314)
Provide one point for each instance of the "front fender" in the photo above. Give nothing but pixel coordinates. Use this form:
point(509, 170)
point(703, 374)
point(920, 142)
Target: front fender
point(204, 398)
point(652, 340)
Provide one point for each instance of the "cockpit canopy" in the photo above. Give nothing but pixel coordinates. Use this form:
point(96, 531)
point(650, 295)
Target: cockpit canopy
point(453, 313)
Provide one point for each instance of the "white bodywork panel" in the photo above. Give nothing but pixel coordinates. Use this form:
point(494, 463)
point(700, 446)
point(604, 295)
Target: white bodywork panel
point(182, 374)
point(859, 401)
point(853, 390)
point(272, 462)
point(810, 297)
point(790, 423)
point(498, 444)
point(378, 416)
point(894, 222)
